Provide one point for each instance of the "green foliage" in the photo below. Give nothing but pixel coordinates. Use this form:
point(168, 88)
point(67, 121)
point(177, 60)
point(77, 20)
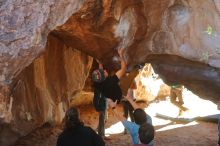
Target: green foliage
point(205, 55)
point(209, 30)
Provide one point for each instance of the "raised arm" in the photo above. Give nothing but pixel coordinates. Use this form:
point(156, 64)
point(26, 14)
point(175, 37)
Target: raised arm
point(120, 73)
point(130, 99)
point(100, 64)
point(115, 113)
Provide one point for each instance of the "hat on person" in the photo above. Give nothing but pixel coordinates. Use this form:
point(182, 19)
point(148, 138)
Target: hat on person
point(98, 75)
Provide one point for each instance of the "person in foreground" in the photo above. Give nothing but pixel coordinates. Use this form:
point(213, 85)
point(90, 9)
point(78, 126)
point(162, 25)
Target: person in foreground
point(76, 134)
point(146, 134)
point(140, 118)
point(107, 84)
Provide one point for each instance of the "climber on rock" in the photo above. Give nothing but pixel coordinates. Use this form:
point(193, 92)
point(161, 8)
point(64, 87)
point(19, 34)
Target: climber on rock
point(106, 86)
point(109, 85)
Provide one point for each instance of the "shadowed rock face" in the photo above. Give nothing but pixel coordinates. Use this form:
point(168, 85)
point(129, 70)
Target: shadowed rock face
point(180, 38)
point(200, 78)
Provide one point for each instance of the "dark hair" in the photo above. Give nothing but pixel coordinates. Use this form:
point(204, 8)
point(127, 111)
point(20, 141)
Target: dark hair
point(146, 133)
point(72, 120)
point(140, 117)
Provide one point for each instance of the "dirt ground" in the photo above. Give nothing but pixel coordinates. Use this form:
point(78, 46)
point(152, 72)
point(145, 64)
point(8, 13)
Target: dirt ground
point(167, 132)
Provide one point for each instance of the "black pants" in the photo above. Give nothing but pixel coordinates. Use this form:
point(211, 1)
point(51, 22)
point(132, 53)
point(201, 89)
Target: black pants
point(101, 126)
point(128, 109)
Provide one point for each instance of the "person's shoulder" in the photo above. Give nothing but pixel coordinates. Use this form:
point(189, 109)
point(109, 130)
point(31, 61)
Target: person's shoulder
point(149, 119)
point(88, 129)
point(62, 135)
point(110, 78)
point(114, 77)
point(127, 123)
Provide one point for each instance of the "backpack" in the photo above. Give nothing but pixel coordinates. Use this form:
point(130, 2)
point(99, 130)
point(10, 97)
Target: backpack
point(99, 101)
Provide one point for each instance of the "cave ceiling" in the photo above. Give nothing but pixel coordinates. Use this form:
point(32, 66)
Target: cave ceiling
point(179, 37)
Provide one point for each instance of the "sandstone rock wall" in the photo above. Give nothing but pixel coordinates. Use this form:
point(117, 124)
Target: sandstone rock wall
point(43, 90)
point(150, 86)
